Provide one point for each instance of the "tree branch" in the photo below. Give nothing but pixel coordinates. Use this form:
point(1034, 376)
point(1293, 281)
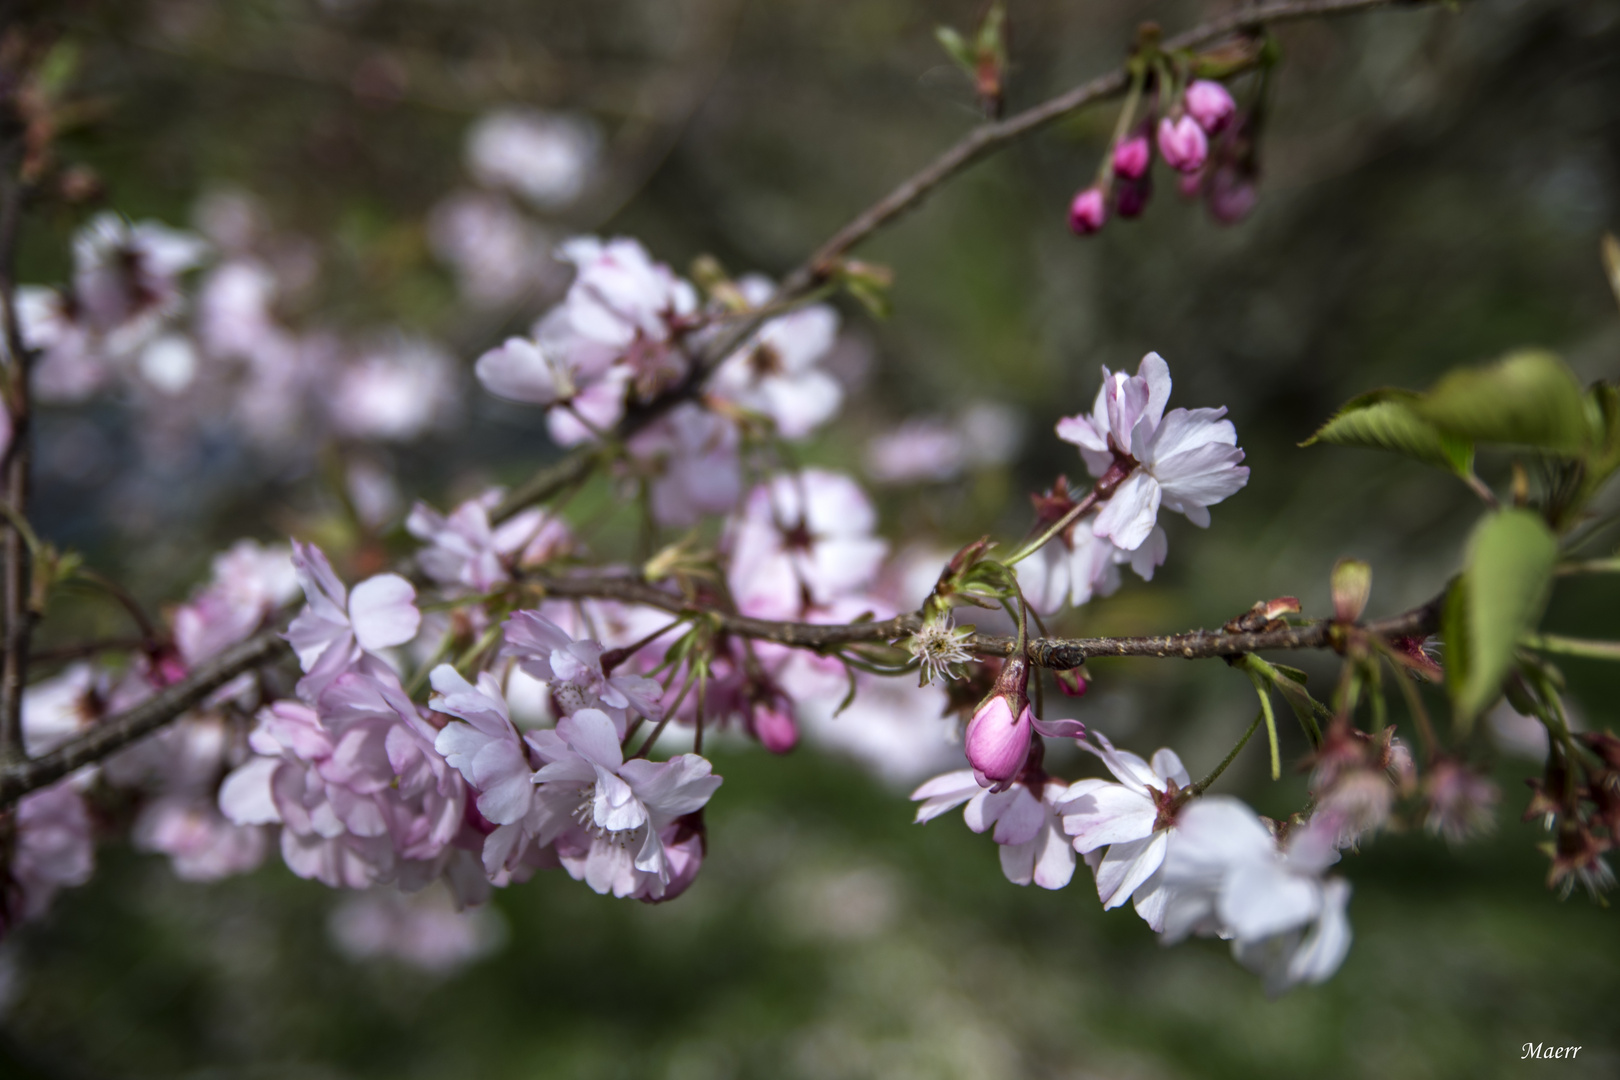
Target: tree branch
point(15, 466)
point(978, 143)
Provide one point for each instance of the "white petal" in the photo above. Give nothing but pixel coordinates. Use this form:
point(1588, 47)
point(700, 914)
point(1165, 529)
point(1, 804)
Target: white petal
point(1129, 516)
point(245, 797)
point(383, 611)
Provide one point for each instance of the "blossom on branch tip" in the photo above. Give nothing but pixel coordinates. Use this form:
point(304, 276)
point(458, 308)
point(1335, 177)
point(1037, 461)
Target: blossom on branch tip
point(776, 372)
point(1132, 157)
point(1211, 104)
point(1183, 144)
point(1088, 212)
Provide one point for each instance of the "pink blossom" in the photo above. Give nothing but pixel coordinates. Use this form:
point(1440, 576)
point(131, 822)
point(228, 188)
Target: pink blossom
point(497, 253)
point(1211, 104)
point(894, 727)
point(1183, 144)
point(607, 815)
point(397, 392)
point(126, 277)
point(693, 455)
point(52, 848)
point(56, 709)
point(1461, 802)
point(574, 671)
point(249, 584)
point(466, 551)
point(997, 740)
point(336, 625)
point(548, 158)
point(1184, 460)
point(802, 535)
point(1078, 564)
point(1088, 212)
point(425, 930)
point(775, 373)
point(773, 725)
point(1132, 157)
point(1025, 823)
point(1131, 198)
point(362, 795)
point(1227, 877)
point(1132, 819)
point(70, 366)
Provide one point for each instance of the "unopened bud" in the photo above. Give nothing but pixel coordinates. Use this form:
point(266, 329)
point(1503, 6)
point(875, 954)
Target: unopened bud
point(1088, 212)
point(997, 741)
point(1132, 157)
point(1133, 196)
point(1183, 144)
point(775, 728)
point(1210, 104)
point(1232, 196)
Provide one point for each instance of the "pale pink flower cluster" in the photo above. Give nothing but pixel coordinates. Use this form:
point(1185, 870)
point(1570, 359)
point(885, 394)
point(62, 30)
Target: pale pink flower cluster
point(1182, 460)
point(465, 553)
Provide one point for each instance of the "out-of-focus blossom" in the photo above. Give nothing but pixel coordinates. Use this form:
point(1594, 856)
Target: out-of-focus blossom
point(69, 368)
point(1133, 818)
point(234, 319)
point(52, 848)
point(1183, 144)
point(1132, 157)
point(1025, 823)
point(776, 373)
point(1185, 460)
point(1077, 564)
point(573, 669)
point(802, 535)
point(424, 930)
point(936, 449)
point(1088, 211)
point(1227, 877)
point(398, 393)
point(249, 583)
point(606, 815)
point(1461, 802)
point(894, 727)
point(169, 363)
point(547, 158)
point(337, 624)
point(58, 708)
point(694, 455)
point(497, 253)
point(1210, 104)
point(126, 277)
point(466, 551)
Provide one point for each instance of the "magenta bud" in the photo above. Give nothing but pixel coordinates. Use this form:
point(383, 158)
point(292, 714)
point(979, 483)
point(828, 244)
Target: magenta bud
point(1210, 104)
point(1132, 157)
point(1190, 185)
point(1088, 212)
point(1183, 144)
point(1132, 197)
point(775, 729)
point(1073, 682)
point(997, 742)
point(1231, 196)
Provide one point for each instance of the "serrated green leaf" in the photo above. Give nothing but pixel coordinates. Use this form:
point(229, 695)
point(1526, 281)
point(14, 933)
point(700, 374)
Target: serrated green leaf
point(1498, 598)
point(1388, 419)
point(1528, 398)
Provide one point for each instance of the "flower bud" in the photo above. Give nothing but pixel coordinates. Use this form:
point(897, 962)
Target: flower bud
point(1133, 196)
point(1132, 157)
point(775, 728)
point(998, 741)
point(1088, 212)
point(1183, 144)
point(1072, 682)
point(1231, 196)
point(1210, 104)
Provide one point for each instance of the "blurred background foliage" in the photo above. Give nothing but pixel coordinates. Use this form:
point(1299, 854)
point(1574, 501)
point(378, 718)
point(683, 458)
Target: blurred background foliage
point(1434, 187)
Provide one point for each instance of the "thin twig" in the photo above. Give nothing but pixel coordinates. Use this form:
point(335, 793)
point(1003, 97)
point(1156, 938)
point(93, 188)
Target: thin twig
point(18, 572)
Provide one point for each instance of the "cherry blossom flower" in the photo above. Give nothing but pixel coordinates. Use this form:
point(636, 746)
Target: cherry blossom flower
point(693, 453)
point(1077, 565)
point(573, 669)
point(1183, 460)
point(606, 815)
point(52, 848)
point(356, 784)
point(249, 583)
point(775, 372)
point(497, 253)
point(1133, 818)
point(1226, 876)
point(1004, 726)
point(58, 708)
point(466, 551)
point(1025, 823)
point(396, 393)
point(1088, 212)
point(1132, 157)
point(548, 158)
point(937, 449)
point(425, 930)
point(621, 308)
point(1461, 802)
point(70, 367)
point(126, 277)
point(802, 536)
point(336, 624)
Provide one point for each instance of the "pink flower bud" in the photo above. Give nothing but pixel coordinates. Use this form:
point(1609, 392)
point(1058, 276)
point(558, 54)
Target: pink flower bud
point(1073, 682)
point(997, 742)
point(1231, 196)
point(1132, 157)
point(1088, 212)
point(1210, 104)
point(1133, 196)
point(1191, 185)
point(1183, 144)
point(775, 729)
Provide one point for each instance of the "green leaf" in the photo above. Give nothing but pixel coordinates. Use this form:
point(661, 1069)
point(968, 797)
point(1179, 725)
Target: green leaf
point(1496, 600)
point(956, 48)
point(1388, 419)
point(1529, 398)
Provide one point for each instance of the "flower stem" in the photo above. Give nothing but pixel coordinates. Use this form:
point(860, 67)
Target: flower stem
point(1270, 716)
point(1568, 646)
point(1203, 785)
